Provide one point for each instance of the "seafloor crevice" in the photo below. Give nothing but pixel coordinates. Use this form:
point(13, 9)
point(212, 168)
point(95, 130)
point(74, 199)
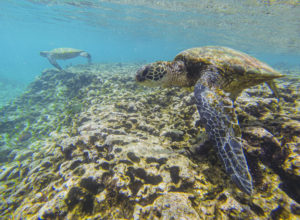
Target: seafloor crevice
point(88, 142)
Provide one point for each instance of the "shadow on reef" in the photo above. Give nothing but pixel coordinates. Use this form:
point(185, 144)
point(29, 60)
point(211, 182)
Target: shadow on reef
point(88, 143)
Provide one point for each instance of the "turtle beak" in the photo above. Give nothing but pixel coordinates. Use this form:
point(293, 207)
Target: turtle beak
point(139, 78)
point(43, 53)
point(141, 73)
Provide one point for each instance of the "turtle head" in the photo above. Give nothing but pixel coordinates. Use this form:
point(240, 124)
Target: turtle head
point(153, 74)
point(44, 53)
point(87, 55)
point(163, 74)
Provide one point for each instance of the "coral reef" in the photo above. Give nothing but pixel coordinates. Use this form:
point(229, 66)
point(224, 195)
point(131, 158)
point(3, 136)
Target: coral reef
point(89, 143)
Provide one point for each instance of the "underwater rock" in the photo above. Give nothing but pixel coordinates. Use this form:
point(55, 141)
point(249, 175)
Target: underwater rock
point(22, 154)
point(147, 128)
point(4, 151)
point(169, 206)
point(264, 145)
point(292, 163)
point(7, 170)
point(103, 148)
point(292, 128)
point(129, 107)
point(55, 208)
point(115, 139)
point(174, 134)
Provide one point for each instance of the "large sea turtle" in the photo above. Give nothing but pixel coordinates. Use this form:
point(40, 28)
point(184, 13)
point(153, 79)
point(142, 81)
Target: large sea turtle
point(219, 75)
point(63, 54)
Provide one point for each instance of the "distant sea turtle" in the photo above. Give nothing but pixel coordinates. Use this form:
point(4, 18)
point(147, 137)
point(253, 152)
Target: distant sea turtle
point(219, 75)
point(64, 54)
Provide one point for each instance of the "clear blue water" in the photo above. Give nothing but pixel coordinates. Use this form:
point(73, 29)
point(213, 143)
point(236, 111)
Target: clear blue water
point(138, 31)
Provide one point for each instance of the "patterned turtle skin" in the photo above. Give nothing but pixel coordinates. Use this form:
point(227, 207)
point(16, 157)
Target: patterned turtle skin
point(219, 75)
point(64, 54)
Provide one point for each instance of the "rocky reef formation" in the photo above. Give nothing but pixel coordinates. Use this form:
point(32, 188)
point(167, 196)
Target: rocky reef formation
point(88, 143)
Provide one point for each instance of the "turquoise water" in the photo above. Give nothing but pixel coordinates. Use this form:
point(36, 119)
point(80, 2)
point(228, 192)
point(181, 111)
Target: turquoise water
point(137, 31)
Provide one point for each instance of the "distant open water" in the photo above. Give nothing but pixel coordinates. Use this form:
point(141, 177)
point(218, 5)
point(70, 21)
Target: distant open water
point(140, 31)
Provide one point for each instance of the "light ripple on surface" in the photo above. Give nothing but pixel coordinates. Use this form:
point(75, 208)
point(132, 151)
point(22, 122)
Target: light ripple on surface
point(255, 26)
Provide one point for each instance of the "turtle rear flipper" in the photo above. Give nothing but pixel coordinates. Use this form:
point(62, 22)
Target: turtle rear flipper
point(271, 84)
point(220, 121)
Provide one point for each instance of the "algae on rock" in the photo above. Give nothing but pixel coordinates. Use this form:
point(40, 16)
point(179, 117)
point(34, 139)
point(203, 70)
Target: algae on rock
point(100, 147)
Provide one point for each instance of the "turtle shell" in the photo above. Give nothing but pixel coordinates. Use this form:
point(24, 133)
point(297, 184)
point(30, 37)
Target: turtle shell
point(65, 53)
point(226, 59)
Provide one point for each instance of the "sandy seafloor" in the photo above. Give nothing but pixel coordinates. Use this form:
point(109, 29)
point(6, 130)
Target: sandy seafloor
point(89, 143)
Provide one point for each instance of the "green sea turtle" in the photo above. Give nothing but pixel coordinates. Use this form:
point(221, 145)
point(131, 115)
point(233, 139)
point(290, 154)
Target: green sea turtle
point(64, 54)
point(219, 75)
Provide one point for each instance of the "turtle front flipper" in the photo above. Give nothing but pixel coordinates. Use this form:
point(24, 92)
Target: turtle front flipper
point(53, 62)
point(220, 121)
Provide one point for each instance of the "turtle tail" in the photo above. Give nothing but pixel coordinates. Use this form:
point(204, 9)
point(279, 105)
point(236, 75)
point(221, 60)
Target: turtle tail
point(221, 124)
